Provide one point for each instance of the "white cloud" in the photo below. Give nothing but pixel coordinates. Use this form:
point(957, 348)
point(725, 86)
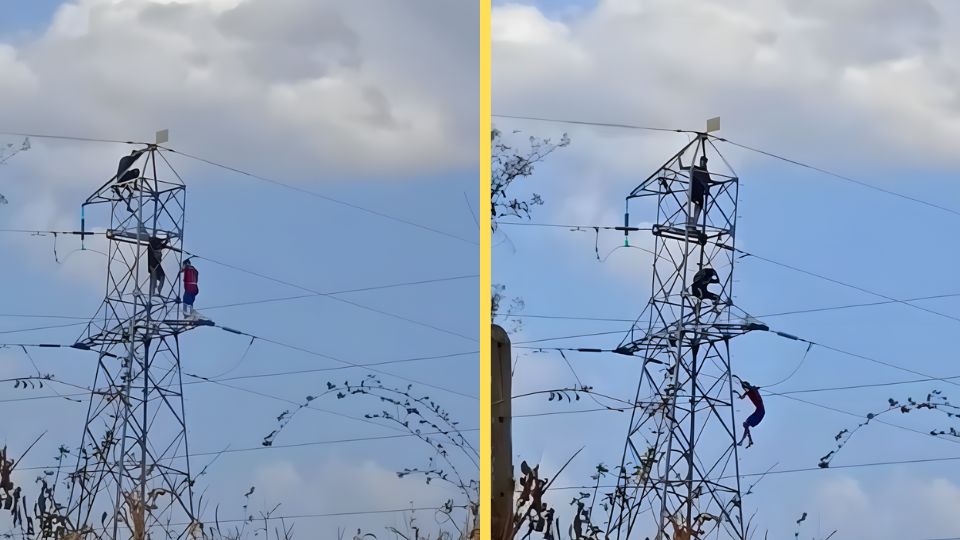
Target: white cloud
point(880, 74)
point(303, 90)
point(525, 24)
point(900, 506)
point(18, 80)
point(366, 481)
point(312, 82)
point(865, 83)
point(359, 486)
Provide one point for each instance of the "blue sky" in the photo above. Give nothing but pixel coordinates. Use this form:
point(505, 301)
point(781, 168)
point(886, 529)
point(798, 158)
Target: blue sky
point(555, 9)
point(23, 17)
point(302, 124)
point(600, 66)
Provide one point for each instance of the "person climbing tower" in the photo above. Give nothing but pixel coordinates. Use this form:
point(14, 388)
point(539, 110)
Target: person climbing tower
point(699, 189)
point(155, 248)
point(125, 174)
point(701, 280)
point(190, 289)
point(753, 392)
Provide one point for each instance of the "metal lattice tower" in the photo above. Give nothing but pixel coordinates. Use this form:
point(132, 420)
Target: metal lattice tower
point(133, 476)
point(680, 473)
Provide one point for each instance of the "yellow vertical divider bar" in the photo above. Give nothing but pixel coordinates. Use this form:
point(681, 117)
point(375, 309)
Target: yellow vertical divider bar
point(485, 269)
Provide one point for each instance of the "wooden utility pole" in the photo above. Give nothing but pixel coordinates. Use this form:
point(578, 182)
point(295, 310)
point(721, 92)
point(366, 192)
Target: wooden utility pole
point(500, 435)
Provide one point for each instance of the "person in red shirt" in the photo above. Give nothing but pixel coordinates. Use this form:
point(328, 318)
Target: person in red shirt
point(752, 392)
point(190, 289)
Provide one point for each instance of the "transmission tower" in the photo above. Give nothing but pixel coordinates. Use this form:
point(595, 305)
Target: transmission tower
point(680, 457)
point(133, 477)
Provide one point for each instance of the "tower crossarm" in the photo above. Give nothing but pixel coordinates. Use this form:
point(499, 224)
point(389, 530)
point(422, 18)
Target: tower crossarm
point(692, 331)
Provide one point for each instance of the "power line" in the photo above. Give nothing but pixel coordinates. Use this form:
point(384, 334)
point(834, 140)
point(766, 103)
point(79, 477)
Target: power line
point(345, 291)
point(763, 316)
point(861, 416)
point(869, 385)
point(322, 196)
point(313, 292)
point(36, 328)
point(275, 342)
point(567, 337)
point(332, 297)
point(563, 317)
point(857, 465)
point(577, 411)
point(284, 446)
point(308, 405)
point(577, 391)
point(206, 380)
point(369, 367)
point(862, 304)
point(340, 360)
point(779, 394)
point(252, 175)
point(838, 175)
point(845, 284)
point(45, 232)
point(292, 402)
point(339, 368)
point(271, 396)
point(819, 405)
point(766, 315)
point(888, 299)
point(68, 138)
point(338, 514)
point(573, 227)
point(746, 147)
point(786, 471)
point(264, 394)
point(807, 469)
point(927, 377)
point(268, 300)
point(26, 316)
point(586, 123)
point(887, 364)
point(834, 409)
point(314, 516)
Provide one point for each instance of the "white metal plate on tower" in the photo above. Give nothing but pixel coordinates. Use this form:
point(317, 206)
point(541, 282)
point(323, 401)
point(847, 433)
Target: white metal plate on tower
point(713, 124)
point(163, 136)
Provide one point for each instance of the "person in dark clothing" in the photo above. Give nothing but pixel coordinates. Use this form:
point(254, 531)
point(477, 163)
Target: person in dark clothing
point(127, 161)
point(701, 280)
point(699, 189)
point(155, 248)
point(125, 174)
point(752, 392)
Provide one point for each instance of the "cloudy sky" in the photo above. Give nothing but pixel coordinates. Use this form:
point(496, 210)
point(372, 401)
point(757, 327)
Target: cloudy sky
point(864, 88)
point(375, 111)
